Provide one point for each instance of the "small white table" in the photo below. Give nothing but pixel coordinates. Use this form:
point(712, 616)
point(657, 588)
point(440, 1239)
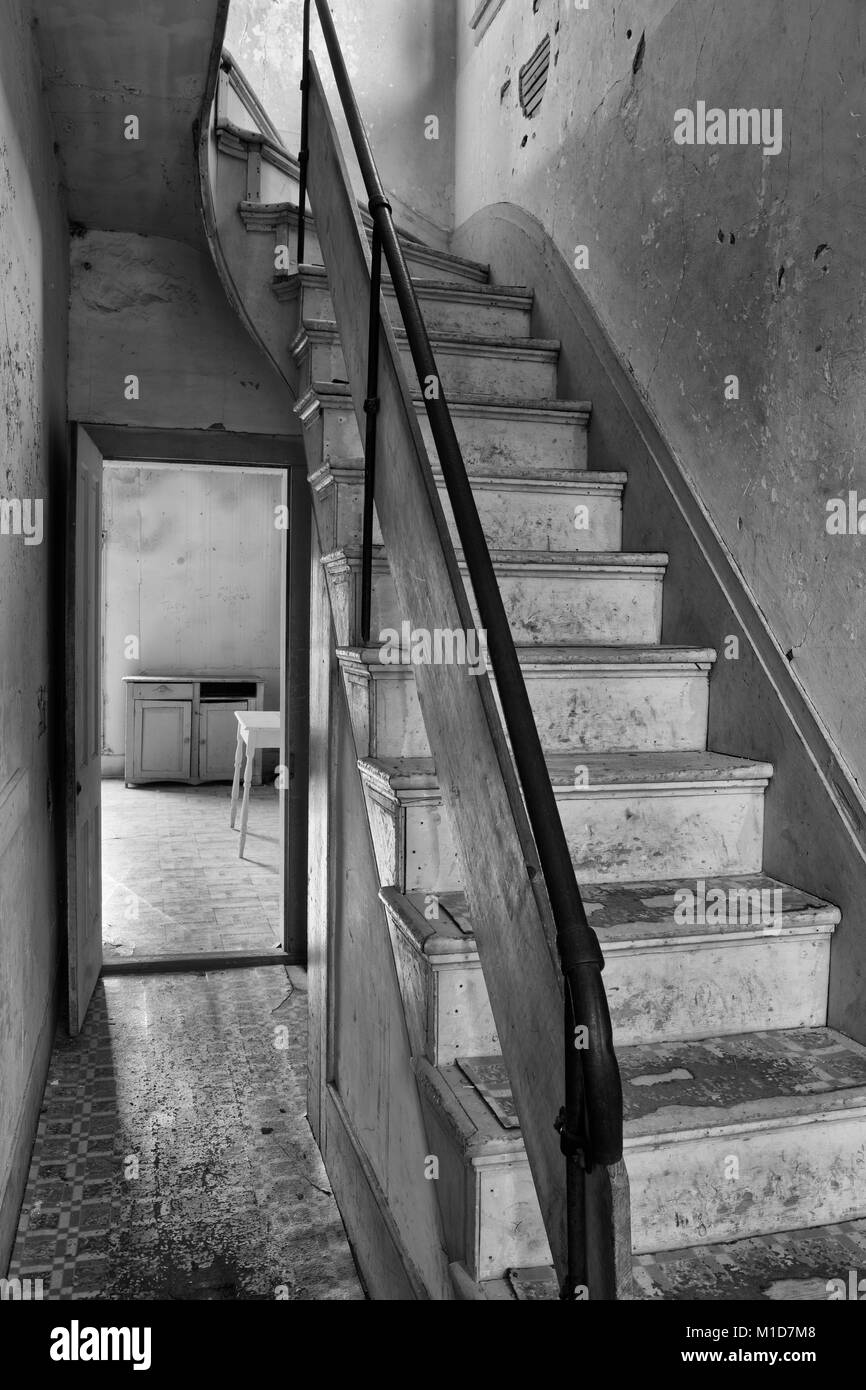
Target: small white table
point(256, 729)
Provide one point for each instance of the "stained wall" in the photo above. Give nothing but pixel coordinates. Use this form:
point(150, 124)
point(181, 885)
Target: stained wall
point(707, 262)
point(34, 462)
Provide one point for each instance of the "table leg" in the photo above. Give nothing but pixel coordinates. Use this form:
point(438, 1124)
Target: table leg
point(248, 781)
point(239, 754)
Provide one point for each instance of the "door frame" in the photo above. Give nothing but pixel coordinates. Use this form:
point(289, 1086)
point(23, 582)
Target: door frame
point(285, 456)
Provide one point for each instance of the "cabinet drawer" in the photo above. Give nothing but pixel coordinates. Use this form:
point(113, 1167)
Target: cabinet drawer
point(168, 691)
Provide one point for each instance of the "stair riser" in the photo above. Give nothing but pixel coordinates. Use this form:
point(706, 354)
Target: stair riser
point(520, 444)
point(662, 995)
point(516, 518)
point(544, 607)
point(636, 833)
point(615, 712)
point(593, 713)
point(442, 313)
point(421, 267)
point(513, 517)
point(547, 608)
point(688, 991)
point(664, 832)
point(517, 372)
point(790, 1176)
point(491, 444)
point(489, 1208)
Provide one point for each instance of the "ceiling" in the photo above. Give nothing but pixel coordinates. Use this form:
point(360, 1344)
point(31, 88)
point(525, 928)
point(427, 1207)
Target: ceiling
point(105, 60)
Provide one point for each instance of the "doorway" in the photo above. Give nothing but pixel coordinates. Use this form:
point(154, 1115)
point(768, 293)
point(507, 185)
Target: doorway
point(191, 608)
point(188, 619)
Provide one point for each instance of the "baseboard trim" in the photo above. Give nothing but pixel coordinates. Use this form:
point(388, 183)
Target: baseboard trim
point(26, 1126)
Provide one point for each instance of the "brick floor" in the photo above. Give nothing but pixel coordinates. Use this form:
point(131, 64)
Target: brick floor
point(172, 882)
point(173, 1158)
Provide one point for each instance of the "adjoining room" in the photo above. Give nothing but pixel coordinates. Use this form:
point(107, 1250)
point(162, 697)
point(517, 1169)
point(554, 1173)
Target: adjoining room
point(192, 561)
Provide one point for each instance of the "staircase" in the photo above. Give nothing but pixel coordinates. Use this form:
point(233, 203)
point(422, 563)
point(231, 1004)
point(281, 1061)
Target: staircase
point(744, 1112)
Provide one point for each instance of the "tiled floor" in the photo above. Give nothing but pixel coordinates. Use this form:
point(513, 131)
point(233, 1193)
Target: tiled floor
point(173, 1158)
point(172, 882)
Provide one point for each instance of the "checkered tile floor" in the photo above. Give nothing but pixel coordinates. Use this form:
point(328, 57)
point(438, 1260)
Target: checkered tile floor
point(173, 1158)
point(172, 882)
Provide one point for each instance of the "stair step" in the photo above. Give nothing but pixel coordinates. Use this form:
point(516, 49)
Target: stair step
point(489, 1208)
point(665, 979)
point(592, 699)
point(496, 437)
point(549, 596)
point(446, 307)
point(743, 1135)
point(640, 816)
point(499, 367)
point(423, 261)
point(554, 509)
point(725, 1137)
point(537, 1284)
point(816, 1263)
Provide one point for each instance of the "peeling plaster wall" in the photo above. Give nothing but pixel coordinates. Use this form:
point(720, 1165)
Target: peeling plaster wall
point(706, 262)
point(33, 465)
point(192, 569)
point(155, 309)
point(401, 59)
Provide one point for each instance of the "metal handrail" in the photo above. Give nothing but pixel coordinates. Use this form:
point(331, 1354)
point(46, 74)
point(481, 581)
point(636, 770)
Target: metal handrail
point(591, 1122)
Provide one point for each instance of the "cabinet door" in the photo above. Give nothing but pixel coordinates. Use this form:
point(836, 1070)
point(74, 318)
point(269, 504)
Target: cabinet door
point(218, 739)
point(163, 738)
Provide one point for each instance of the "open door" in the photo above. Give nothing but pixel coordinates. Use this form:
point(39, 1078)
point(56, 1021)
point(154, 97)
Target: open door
point(83, 726)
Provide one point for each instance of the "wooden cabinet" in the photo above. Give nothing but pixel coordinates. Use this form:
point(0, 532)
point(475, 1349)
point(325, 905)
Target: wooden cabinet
point(183, 729)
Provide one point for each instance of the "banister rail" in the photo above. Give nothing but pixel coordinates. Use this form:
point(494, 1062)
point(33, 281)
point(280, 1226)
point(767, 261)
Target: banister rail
point(590, 1123)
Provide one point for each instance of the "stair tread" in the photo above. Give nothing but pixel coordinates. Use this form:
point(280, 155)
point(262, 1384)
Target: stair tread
point(470, 342)
point(551, 559)
point(573, 656)
point(739, 1080)
point(604, 769)
point(538, 480)
point(466, 401)
point(541, 477)
point(615, 769)
point(410, 243)
point(621, 913)
point(671, 1091)
point(786, 1266)
point(475, 1126)
point(439, 287)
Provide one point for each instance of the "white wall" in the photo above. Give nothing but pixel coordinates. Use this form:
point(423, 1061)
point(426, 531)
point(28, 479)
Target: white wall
point(34, 465)
point(707, 262)
point(400, 58)
point(191, 567)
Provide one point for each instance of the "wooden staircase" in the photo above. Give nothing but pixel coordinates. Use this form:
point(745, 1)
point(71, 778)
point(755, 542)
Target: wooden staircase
point(736, 1096)
point(744, 1113)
